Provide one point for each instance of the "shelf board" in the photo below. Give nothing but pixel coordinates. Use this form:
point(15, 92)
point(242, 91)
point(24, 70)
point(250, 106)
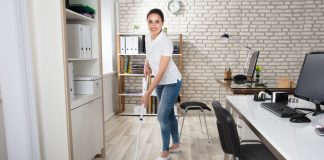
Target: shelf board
point(140, 54)
point(83, 99)
point(143, 54)
point(82, 59)
point(139, 34)
point(77, 16)
point(125, 113)
point(133, 75)
point(131, 94)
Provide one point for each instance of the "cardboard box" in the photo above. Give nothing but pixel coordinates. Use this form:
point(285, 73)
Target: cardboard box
point(87, 85)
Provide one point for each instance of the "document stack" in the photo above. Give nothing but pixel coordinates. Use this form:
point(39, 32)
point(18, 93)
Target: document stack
point(137, 68)
point(79, 41)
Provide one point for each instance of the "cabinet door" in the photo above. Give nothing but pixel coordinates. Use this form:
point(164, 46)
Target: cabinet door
point(87, 130)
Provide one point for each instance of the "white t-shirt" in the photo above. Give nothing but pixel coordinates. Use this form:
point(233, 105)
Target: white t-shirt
point(155, 49)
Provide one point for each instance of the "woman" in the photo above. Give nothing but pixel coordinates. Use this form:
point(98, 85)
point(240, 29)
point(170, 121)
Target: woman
point(167, 81)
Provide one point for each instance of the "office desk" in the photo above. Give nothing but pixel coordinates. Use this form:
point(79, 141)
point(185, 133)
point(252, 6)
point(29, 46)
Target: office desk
point(251, 88)
point(286, 140)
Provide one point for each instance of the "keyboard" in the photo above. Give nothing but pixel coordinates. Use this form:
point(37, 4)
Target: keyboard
point(281, 110)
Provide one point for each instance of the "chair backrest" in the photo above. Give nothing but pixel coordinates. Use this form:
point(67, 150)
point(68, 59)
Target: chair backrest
point(227, 130)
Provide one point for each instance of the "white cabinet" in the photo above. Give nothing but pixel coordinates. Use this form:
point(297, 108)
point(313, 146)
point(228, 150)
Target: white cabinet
point(83, 49)
point(87, 130)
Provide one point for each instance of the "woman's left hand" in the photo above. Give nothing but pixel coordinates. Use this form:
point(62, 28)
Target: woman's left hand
point(145, 99)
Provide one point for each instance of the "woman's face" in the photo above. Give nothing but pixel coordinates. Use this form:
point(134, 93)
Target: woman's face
point(155, 24)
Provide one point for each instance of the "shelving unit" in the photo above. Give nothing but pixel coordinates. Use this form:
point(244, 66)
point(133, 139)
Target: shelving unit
point(86, 110)
point(129, 81)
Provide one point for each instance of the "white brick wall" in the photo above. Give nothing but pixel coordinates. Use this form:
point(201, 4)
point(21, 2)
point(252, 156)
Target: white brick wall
point(282, 30)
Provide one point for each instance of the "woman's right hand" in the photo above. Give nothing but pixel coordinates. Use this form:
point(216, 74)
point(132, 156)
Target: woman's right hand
point(146, 71)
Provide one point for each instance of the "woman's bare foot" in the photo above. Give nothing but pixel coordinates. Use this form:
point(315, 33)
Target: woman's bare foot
point(164, 154)
point(174, 148)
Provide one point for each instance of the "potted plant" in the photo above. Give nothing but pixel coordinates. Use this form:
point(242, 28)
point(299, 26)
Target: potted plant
point(136, 28)
point(258, 69)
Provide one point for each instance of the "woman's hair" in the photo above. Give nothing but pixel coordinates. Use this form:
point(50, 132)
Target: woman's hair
point(156, 11)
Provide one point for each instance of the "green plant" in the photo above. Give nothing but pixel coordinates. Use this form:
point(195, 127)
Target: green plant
point(165, 29)
point(258, 68)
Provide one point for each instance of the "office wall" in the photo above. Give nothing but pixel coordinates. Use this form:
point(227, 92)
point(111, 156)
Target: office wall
point(110, 98)
point(108, 36)
point(47, 45)
point(282, 30)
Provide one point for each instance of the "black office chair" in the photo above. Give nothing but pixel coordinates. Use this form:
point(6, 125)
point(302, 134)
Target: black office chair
point(230, 140)
point(186, 106)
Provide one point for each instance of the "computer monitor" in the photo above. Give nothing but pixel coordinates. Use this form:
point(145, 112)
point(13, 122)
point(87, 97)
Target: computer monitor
point(251, 62)
point(310, 84)
point(249, 72)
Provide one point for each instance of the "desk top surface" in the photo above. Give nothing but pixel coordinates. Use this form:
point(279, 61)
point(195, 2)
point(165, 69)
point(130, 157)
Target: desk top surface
point(294, 141)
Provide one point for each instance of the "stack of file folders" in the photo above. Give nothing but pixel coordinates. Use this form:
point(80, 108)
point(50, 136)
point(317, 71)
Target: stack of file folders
point(83, 9)
point(137, 68)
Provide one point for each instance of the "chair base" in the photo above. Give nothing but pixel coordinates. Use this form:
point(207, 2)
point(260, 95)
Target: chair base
point(185, 114)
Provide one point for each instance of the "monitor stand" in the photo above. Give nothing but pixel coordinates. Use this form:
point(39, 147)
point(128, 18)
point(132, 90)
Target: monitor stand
point(316, 111)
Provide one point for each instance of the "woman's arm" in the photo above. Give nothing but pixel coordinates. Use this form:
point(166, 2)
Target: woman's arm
point(146, 69)
point(164, 62)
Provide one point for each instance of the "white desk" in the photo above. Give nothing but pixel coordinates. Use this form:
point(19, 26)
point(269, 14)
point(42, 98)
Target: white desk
point(286, 140)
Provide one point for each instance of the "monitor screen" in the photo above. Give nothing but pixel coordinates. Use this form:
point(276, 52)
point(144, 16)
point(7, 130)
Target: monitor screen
point(252, 64)
point(310, 84)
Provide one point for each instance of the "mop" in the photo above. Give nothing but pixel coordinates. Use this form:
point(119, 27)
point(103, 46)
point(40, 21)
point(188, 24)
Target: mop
point(141, 121)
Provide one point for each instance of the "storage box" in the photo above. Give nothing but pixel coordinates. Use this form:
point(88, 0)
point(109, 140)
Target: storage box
point(87, 85)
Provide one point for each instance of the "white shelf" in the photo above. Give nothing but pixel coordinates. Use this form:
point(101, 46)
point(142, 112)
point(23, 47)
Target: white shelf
point(131, 94)
point(125, 113)
point(82, 59)
point(131, 75)
point(139, 34)
point(143, 54)
point(71, 15)
point(139, 54)
point(83, 99)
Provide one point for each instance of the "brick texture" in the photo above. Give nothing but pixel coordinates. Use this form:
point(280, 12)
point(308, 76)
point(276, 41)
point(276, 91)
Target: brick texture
point(282, 30)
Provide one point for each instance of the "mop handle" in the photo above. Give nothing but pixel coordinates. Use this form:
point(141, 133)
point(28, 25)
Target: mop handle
point(141, 120)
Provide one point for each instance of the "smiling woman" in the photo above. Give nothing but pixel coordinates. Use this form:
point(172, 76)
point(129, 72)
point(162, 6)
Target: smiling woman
point(167, 80)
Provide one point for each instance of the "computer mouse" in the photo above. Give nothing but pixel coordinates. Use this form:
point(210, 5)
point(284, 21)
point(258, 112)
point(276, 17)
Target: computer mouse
point(299, 119)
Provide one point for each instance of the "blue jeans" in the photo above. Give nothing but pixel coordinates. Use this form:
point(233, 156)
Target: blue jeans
point(167, 96)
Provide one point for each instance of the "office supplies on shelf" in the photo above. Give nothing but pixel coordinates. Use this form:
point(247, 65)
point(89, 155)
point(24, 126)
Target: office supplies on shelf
point(122, 42)
point(281, 109)
point(70, 74)
point(87, 85)
point(83, 9)
point(79, 41)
